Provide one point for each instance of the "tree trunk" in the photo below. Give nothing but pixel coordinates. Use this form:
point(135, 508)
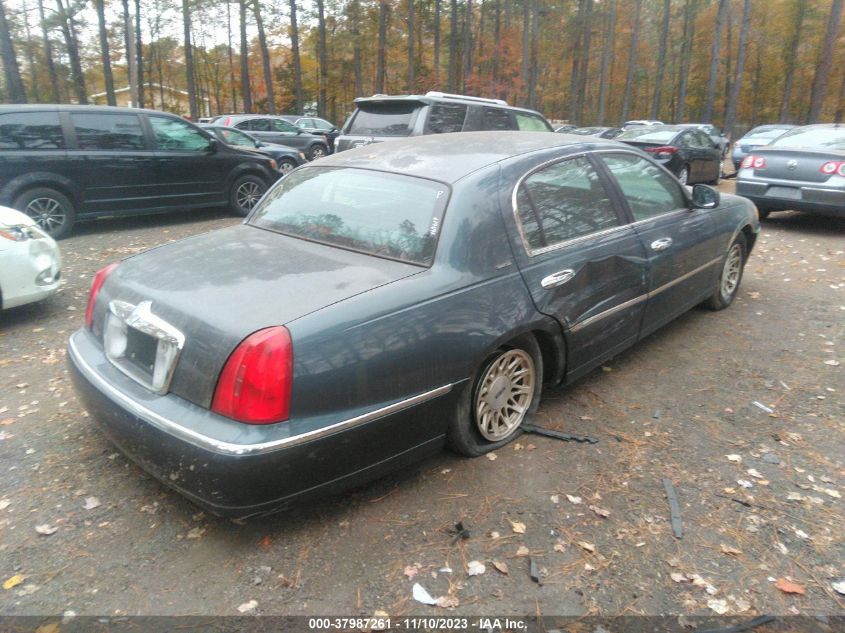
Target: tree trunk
point(632, 61)
point(139, 54)
point(690, 11)
point(728, 61)
point(48, 56)
point(265, 57)
point(577, 50)
point(437, 43)
point(30, 57)
point(73, 53)
point(789, 53)
point(606, 58)
point(246, 91)
point(467, 47)
point(381, 62)
point(840, 106)
point(297, 62)
point(129, 46)
point(661, 60)
point(411, 62)
point(453, 48)
point(11, 71)
point(497, 47)
point(825, 62)
point(189, 61)
point(104, 52)
point(321, 55)
point(356, 53)
point(715, 51)
point(525, 67)
point(730, 115)
point(584, 65)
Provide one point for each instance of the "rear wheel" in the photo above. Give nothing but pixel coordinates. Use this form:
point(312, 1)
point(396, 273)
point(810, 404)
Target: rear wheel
point(286, 165)
point(51, 210)
point(317, 151)
point(245, 193)
point(505, 392)
point(727, 285)
point(683, 175)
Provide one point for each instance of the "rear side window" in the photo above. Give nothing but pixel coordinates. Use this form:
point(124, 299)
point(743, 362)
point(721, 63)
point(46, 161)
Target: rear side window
point(108, 131)
point(445, 117)
point(650, 191)
point(530, 123)
point(256, 125)
point(383, 119)
point(496, 119)
point(280, 125)
point(31, 131)
point(561, 202)
point(176, 135)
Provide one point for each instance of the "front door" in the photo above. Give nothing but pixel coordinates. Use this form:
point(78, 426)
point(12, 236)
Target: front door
point(582, 264)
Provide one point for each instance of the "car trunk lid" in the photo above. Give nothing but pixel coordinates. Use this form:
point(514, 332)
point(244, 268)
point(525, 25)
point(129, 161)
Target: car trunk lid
point(795, 163)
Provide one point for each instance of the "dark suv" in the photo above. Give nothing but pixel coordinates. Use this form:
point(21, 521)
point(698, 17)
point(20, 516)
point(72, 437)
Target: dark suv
point(381, 117)
point(275, 129)
point(63, 163)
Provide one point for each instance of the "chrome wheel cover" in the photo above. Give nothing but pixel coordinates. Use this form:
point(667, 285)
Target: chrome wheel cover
point(504, 395)
point(285, 167)
point(683, 176)
point(317, 152)
point(247, 195)
point(731, 271)
point(47, 213)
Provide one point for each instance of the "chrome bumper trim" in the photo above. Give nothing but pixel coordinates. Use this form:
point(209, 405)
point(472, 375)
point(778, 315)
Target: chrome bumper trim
point(228, 448)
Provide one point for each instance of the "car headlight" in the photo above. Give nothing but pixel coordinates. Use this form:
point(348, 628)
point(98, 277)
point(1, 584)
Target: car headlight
point(301, 156)
point(273, 165)
point(21, 232)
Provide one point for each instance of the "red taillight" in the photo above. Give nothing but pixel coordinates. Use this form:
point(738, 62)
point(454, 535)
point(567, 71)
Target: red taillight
point(759, 162)
point(747, 162)
point(662, 152)
point(254, 386)
point(833, 167)
point(97, 285)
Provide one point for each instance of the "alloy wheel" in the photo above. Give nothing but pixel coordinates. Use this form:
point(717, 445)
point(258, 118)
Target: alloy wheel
point(731, 271)
point(247, 195)
point(48, 213)
point(504, 394)
point(683, 176)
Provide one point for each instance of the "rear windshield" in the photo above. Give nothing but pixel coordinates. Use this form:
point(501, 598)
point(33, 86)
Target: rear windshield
point(383, 119)
point(648, 135)
point(821, 137)
point(766, 134)
point(387, 215)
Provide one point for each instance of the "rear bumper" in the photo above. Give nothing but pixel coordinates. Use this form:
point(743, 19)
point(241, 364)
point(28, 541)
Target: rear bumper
point(234, 469)
point(768, 197)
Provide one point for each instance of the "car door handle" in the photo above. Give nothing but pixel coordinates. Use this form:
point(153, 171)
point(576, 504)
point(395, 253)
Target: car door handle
point(557, 279)
point(662, 244)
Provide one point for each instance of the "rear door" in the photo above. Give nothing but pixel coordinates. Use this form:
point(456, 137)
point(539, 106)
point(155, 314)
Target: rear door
point(582, 264)
point(679, 241)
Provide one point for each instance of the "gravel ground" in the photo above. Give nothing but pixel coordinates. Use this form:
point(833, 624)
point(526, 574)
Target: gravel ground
point(742, 410)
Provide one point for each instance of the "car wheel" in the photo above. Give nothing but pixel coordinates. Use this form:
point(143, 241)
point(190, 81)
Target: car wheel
point(727, 285)
point(286, 165)
point(245, 194)
point(51, 210)
point(683, 175)
point(316, 151)
point(504, 393)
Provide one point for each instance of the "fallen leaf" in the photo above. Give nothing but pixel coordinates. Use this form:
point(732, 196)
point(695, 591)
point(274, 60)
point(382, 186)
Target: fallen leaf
point(517, 527)
point(448, 602)
point(572, 499)
point(501, 566)
point(555, 499)
point(600, 511)
point(559, 547)
point(839, 587)
point(411, 571)
point(787, 586)
point(832, 363)
point(196, 532)
point(734, 457)
point(46, 530)
point(832, 493)
point(523, 551)
point(4, 503)
point(719, 606)
point(587, 546)
point(91, 503)
point(494, 535)
point(248, 606)
point(14, 581)
point(52, 627)
point(744, 483)
point(678, 577)
point(754, 473)
point(731, 551)
point(742, 605)
point(475, 568)
point(492, 457)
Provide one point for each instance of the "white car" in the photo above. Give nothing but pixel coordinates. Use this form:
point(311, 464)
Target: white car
point(30, 262)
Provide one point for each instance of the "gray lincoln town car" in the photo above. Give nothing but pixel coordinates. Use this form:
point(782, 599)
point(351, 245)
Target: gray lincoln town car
point(387, 300)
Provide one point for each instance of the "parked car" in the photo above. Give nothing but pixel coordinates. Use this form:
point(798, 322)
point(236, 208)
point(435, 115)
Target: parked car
point(640, 122)
point(30, 263)
point(565, 128)
point(59, 164)
point(287, 158)
point(757, 137)
point(687, 152)
point(275, 129)
point(601, 132)
point(801, 170)
point(383, 117)
point(315, 125)
point(716, 135)
point(382, 301)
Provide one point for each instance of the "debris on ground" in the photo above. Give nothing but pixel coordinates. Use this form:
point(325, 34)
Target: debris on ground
point(839, 587)
point(475, 568)
point(459, 532)
point(91, 503)
point(14, 581)
point(501, 567)
point(246, 607)
point(760, 620)
point(762, 407)
point(46, 529)
point(674, 509)
point(600, 511)
point(534, 571)
point(423, 597)
point(565, 437)
point(411, 570)
point(787, 586)
point(589, 547)
point(517, 527)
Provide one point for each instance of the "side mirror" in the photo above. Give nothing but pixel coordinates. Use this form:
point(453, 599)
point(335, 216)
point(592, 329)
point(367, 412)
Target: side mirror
point(704, 197)
point(212, 145)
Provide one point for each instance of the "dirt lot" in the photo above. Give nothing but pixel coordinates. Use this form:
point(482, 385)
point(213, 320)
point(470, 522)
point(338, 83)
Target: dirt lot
point(760, 492)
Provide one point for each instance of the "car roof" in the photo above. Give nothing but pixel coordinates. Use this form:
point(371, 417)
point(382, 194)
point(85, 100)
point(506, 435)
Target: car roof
point(444, 98)
point(72, 107)
point(450, 157)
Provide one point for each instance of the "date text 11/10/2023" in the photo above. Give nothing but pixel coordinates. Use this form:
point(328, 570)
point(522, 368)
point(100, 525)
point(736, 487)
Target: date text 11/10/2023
point(376, 623)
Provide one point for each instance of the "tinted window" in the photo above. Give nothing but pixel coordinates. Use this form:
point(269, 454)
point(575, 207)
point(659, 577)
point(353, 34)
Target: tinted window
point(445, 117)
point(378, 213)
point(562, 202)
point(236, 137)
point(496, 119)
point(280, 125)
point(322, 125)
point(173, 134)
point(704, 140)
point(650, 191)
point(383, 119)
point(256, 125)
point(530, 123)
point(648, 134)
point(108, 131)
point(31, 130)
point(823, 137)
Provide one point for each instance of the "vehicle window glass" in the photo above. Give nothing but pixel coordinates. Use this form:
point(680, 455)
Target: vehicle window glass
point(31, 130)
point(256, 125)
point(685, 140)
point(649, 190)
point(322, 125)
point(530, 123)
point(445, 117)
point(387, 215)
point(383, 119)
point(563, 201)
point(176, 135)
point(280, 125)
point(108, 131)
point(302, 123)
point(648, 134)
point(496, 119)
point(235, 137)
point(705, 140)
point(824, 137)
